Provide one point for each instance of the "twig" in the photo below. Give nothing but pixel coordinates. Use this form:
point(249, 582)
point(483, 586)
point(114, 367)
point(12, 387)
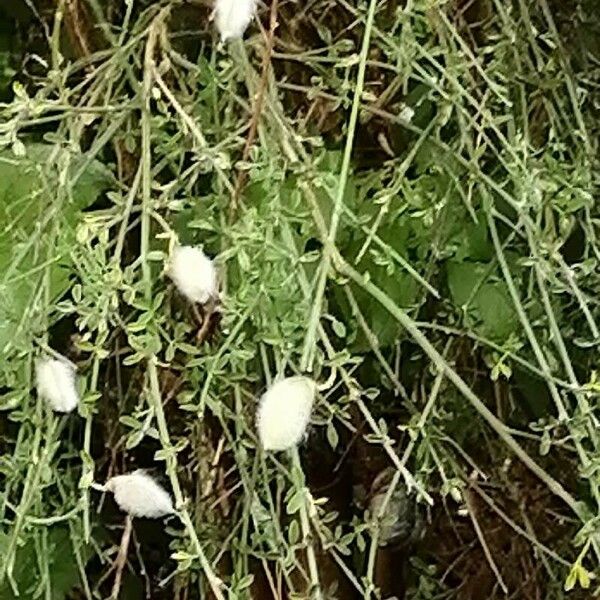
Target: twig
point(481, 538)
point(563, 415)
point(78, 27)
point(122, 557)
point(205, 320)
point(528, 533)
point(415, 332)
point(143, 570)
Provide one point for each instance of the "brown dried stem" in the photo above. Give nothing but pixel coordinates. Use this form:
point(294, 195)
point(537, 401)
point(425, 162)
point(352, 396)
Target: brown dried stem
point(258, 106)
point(122, 557)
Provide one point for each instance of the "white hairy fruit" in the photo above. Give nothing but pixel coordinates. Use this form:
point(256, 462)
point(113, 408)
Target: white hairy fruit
point(193, 273)
point(284, 412)
point(139, 495)
point(55, 383)
point(232, 17)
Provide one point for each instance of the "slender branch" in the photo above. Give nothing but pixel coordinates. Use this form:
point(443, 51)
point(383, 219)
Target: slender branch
point(563, 415)
point(155, 400)
point(310, 339)
point(121, 559)
point(481, 538)
point(313, 570)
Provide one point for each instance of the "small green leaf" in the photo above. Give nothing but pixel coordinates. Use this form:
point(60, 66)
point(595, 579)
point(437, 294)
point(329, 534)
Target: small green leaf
point(12, 399)
point(310, 257)
point(578, 574)
point(295, 502)
point(134, 439)
point(545, 443)
point(182, 555)
point(86, 480)
point(130, 422)
point(245, 582)
point(338, 328)
point(584, 577)
point(156, 256)
point(293, 532)
point(332, 435)
point(133, 359)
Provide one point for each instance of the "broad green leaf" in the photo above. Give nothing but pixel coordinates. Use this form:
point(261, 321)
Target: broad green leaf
point(463, 278)
point(332, 435)
point(496, 310)
point(62, 566)
point(295, 502)
point(487, 305)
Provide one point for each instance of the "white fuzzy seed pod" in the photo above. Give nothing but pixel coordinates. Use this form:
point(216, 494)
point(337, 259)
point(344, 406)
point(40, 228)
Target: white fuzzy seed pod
point(284, 412)
point(139, 495)
point(232, 17)
point(194, 274)
point(55, 383)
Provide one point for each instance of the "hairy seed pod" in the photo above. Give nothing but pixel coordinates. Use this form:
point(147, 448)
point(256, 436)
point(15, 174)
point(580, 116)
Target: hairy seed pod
point(139, 495)
point(232, 17)
point(193, 273)
point(55, 383)
point(284, 412)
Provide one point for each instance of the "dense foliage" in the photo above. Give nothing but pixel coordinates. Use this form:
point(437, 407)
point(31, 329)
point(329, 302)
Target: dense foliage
point(402, 201)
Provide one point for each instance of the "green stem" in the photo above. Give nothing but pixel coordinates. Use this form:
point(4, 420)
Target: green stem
point(155, 400)
point(313, 570)
point(308, 352)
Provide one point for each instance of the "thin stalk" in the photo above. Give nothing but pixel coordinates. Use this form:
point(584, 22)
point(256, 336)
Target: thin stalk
point(308, 352)
point(396, 479)
point(154, 397)
point(563, 415)
point(313, 570)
